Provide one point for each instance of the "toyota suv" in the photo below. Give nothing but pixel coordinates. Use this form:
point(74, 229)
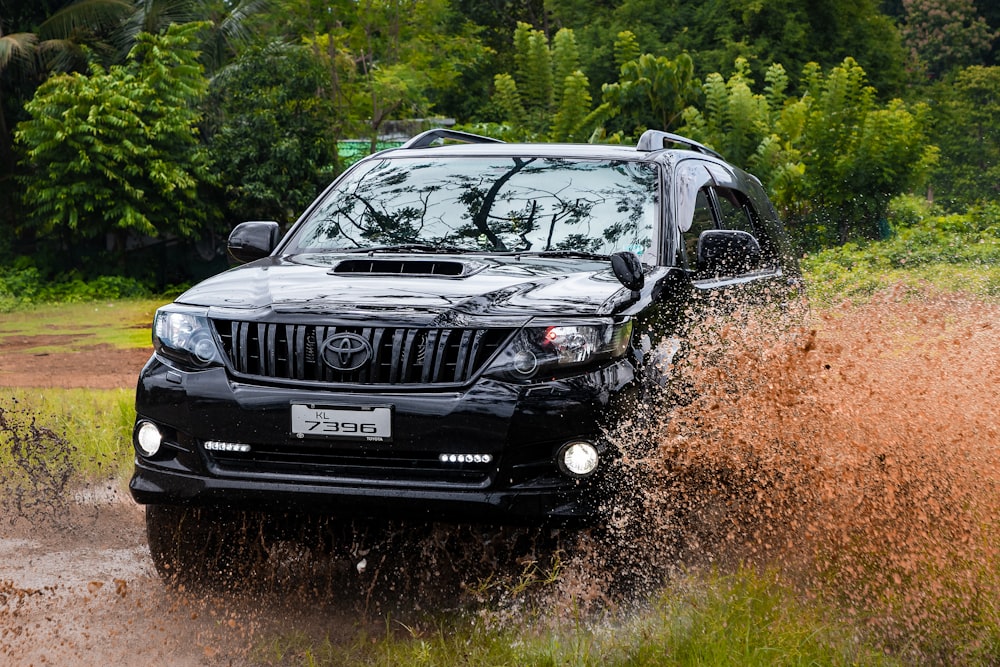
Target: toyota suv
point(446, 333)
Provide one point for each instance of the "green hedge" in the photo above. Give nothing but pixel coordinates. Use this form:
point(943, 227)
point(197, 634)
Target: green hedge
point(24, 285)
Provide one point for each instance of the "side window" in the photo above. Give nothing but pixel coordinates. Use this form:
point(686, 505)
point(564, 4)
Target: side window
point(703, 219)
point(733, 211)
point(725, 208)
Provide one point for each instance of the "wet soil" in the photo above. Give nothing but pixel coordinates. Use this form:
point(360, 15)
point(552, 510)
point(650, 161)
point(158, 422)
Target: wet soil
point(859, 456)
point(76, 583)
point(92, 367)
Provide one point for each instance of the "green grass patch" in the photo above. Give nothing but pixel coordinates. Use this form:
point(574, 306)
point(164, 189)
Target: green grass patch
point(829, 284)
point(738, 619)
point(953, 253)
point(91, 429)
point(121, 324)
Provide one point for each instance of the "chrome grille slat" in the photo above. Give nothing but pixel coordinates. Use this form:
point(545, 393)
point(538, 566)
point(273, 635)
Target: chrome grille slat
point(400, 355)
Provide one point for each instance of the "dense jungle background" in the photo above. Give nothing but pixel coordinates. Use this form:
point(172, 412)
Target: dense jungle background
point(135, 133)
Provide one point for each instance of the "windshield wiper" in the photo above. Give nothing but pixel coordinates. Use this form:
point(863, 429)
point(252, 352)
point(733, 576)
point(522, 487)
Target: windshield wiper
point(409, 247)
point(563, 253)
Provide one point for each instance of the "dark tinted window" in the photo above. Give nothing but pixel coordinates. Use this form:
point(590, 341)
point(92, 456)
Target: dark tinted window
point(733, 211)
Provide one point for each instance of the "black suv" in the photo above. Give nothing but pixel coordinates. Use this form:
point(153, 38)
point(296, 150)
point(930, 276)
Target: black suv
point(445, 333)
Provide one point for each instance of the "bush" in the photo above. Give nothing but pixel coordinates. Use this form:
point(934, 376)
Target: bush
point(954, 251)
point(23, 285)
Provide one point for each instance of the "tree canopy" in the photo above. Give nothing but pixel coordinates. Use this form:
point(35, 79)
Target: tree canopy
point(118, 149)
point(164, 118)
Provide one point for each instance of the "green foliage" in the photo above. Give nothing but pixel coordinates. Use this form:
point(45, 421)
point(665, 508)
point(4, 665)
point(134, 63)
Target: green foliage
point(967, 127)
point(388, 60)
point(952, 251)
point(735, 120)
point(548, 97)
point(118, 149)
point(832, 158)
point(651, 92)
point(571, 121)
point(271, 145)
point(945, 34)
point(857, 157)
point(22, 285)
point(716, 33)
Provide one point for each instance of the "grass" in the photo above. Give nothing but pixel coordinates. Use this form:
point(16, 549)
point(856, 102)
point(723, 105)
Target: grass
point(745, 618)
point(122, 324)
point(92, 427)
point(829, 285)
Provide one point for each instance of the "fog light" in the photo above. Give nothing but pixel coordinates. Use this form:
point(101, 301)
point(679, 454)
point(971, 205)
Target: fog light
point(148, 438)
point(578, 459)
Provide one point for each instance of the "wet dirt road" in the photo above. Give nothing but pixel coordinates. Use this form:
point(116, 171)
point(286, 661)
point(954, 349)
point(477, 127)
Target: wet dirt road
point(78, 589)
point(861, 460)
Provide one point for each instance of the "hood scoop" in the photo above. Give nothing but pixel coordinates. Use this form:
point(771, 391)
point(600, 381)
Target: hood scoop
point(407, 267)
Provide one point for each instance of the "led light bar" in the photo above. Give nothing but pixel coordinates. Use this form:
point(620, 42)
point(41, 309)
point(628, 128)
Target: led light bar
point(218, 446)
point(465, 458)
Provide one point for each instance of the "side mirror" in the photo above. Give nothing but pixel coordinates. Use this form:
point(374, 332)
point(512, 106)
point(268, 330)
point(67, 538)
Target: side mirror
point(252, 240)
point(727, 252)
point(628, 269)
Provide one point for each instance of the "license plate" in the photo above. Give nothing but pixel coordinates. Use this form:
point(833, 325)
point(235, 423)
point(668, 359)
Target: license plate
point(373, 424)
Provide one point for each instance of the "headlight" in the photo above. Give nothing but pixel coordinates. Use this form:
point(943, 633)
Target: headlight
point(185, 335)
point(541, 350)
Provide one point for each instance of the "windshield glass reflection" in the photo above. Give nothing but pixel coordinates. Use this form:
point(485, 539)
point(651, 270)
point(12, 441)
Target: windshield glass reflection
point(509, 204)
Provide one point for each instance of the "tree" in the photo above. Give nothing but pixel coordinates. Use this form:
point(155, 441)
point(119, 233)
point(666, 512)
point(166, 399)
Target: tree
point(111, 27)
point(271, 144)
point(117, 150)
point(652, 91)
point(967, 127)
point(716, 32)
point(387, 59)
point(832, 158)
point(548, 97)
point(945, 34)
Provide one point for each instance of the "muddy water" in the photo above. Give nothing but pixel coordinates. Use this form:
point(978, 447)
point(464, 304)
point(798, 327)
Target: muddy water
point(857, 456)
point(860, 457)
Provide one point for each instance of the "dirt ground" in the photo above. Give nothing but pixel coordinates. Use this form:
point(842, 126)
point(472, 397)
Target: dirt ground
point(76, 583)
point(94, 367)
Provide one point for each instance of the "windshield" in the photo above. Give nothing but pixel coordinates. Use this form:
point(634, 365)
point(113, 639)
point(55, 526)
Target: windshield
point(501, 204)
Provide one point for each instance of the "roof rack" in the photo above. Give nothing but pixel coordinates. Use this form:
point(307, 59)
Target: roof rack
point(425, 139)
point(655, 140)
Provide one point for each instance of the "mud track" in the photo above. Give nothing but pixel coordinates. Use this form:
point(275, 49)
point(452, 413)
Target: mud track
point(76, 584)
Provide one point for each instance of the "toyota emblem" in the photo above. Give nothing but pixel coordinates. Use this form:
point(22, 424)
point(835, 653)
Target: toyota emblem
point(346, 352)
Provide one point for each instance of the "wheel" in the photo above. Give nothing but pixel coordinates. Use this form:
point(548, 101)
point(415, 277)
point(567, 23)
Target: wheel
point(201, 545)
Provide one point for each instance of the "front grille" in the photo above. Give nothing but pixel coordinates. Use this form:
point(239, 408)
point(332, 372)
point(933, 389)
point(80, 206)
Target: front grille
point(399, 355)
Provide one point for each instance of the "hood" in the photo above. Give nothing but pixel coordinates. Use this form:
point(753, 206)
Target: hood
point(416, 287)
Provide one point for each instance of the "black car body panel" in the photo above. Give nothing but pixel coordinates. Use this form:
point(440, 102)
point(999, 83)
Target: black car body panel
point(437, 337)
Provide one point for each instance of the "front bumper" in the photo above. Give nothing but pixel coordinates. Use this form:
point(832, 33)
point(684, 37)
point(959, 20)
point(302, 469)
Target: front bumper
point(520, 427)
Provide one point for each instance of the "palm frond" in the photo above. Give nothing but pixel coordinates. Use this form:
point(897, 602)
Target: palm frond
point(17, 47)
point(88, 15)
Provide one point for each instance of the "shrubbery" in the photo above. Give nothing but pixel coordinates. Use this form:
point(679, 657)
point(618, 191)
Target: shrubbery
point(958, 251)
point(24, 285)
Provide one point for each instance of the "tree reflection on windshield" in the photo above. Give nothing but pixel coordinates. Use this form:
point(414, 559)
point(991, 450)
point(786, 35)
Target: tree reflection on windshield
point(509, 204)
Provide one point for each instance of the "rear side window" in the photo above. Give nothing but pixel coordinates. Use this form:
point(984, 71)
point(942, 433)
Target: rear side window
point(734, 211)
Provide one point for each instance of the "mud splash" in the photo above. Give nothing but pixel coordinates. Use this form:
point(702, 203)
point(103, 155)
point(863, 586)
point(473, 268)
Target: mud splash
point(859, 457)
